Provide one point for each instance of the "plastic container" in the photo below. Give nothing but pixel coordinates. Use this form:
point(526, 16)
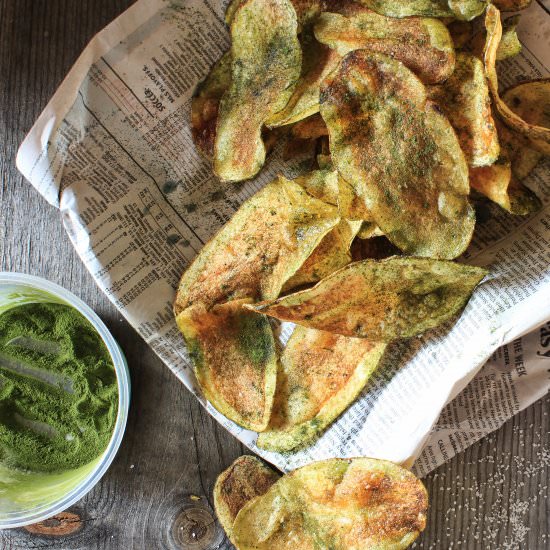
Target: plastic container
point(56, 492)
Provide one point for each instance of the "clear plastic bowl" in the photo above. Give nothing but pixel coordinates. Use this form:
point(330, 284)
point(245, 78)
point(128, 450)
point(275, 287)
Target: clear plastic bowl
point(68, 487)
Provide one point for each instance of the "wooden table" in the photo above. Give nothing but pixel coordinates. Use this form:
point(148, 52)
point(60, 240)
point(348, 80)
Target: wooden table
point(493, 496)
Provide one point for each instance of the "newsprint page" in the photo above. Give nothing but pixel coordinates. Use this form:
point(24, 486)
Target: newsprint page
point(113, 151)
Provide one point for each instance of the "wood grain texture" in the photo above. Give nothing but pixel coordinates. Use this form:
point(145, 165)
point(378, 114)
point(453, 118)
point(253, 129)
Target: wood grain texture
point(493, 496)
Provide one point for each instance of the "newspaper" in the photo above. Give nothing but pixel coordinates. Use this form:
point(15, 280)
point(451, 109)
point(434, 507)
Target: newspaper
point(113, 151)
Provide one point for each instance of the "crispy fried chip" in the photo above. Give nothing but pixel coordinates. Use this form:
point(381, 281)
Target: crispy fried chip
point(320, 375)
point(306, 10)
point(318, 61)
point(339, 504)
point(464, 98)
point(497, 183)
point(509, 44)
point(234, 358)
point(511, 5)
point(380, 300)
point(352, 206)
point(312, 127)
point(460, 9)
point(526, 106)
point(266, 63)
point(247, 478)
point(400, 155)
point(424, 45)
point(259, 249)
point(205, 105)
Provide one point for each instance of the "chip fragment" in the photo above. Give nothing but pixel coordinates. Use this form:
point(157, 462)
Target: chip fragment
point(424, 45)
point(498, 183)
point(526, 105)
point(266, 63)
point(234, 359)
point(247, 478)
point(460, 9)
point(511, 5)
point(380, 300)
point(400, 155)
point(259, 249)
point(464, 98)
point(320, 375)
point(342, 504)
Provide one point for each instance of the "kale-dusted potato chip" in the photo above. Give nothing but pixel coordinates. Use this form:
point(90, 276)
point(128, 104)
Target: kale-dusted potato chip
point(312, 127)
point(320, 375)
point(234, 359)
point(399, 153)
point(352, 205)
point(509, 43)
point(497, 183)
point(247, 478)
point(259, 249)
point(460, 9)
point(511, 5)
point(380, 300)
point(464, 98)
point(341, 504)
point(526, 106)
point(306, 10)
point(266, 63)
point(424, 45)
point(205, 105)
point(318, 61)
point(321, 184)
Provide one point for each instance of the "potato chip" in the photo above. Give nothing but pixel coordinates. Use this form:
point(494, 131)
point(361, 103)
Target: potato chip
point(318, 61)
point(234, 359)
point(247, 478)
point(352, 205)
point(312, 127)
point(380, 300)
point(509, 44)
point(205, 105)
point(306, 10)
point(266, 63)
point(259, 249)
point(341, 504)
point(511, 5)
point(459, 9)
point(497, 183)
point(400, 155)
point(320, 375)
point(464, 98)
point(526, 106)
point(424, 45)
point(368, 230)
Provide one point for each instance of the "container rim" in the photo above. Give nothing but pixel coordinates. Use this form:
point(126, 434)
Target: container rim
point(123, 381)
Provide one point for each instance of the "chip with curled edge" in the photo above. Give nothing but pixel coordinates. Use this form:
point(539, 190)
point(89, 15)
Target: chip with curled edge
point(460, 9)
point(380, 300)
point(423, 44)
point(341, 504)
point(399, 153)
point(320, 375)
point(266, 241)
point(265, 65)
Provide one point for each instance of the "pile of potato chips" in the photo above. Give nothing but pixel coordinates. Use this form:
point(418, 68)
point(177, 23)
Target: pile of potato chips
point(400, 101)
point(339, 504)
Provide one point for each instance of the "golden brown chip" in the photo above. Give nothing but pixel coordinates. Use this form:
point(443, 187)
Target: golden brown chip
point(400, 155)
point(320, 375)
point(459, 9)
point(497, 183)
point(380, 300)
point(234, 359)
point(205, 105)
point(312, 127)
point(464, 98)
point(247, 478)
point(266, 63)
point(509, 43)
point(306, 10)
point(259, 249)
point(369, 230)
point(424, 45)
point(526, 105)
point(339, 504)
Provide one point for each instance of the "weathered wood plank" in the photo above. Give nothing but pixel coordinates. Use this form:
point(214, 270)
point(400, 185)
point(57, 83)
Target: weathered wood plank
point(493, 496)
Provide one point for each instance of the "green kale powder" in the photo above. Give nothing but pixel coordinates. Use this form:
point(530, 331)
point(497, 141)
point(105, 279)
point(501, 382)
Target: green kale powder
point(58, 389)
